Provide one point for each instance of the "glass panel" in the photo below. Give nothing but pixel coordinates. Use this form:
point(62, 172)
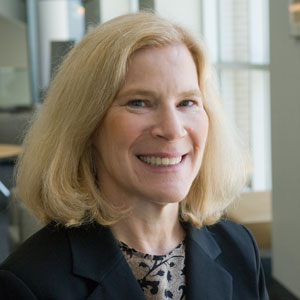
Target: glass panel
point(244, 31)
point(234, 30)
point(235, 92)
point(245, 94)
point(14, 87)
point(210, 28)
point(259, 31)
point(260, 127)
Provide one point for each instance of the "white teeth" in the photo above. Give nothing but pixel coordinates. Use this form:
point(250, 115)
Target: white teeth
point(158, 161)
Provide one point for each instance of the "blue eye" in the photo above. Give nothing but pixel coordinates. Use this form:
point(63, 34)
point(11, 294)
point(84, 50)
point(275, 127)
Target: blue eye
point(136, 103)
point(187, 103)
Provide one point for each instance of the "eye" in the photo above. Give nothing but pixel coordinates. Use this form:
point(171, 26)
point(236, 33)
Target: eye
point(188, 103)
point(137, 103)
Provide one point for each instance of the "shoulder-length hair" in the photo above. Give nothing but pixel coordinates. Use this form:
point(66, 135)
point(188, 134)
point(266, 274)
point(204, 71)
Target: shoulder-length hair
point(56, 176)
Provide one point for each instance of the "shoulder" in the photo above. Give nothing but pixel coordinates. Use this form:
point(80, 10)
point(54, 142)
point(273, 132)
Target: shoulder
point(231, 244)
point(41, 266)
point(238, 250)
point(41, 248)
point(231, 248)
point(227, 232)
point(233, 236)
point(49, 246)
point(29, 266)
point(227, 241)
point(239, 256)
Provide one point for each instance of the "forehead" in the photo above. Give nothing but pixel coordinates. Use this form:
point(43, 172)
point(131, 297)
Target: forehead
point(157, 61)
point(165, 71)
point(173, 53)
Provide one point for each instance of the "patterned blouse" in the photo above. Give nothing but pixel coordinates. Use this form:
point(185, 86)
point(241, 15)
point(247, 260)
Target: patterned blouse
point(160, 276)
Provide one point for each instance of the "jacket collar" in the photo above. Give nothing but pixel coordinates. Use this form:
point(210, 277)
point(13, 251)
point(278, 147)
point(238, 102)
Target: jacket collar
point(104, 263)
point(203, 238)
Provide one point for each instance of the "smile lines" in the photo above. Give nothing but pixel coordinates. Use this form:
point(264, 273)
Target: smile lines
point(160, 161)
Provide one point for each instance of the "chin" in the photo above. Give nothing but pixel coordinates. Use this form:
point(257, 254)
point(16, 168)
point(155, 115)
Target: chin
point(168, 198)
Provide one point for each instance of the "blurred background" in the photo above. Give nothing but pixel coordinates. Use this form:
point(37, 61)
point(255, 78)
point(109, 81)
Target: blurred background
point(254, 46)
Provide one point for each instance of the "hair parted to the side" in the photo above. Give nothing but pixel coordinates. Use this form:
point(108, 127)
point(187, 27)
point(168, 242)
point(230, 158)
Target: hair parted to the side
point(56, 175)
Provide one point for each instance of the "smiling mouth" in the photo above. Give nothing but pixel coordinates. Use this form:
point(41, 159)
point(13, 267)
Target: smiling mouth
point(161, 161)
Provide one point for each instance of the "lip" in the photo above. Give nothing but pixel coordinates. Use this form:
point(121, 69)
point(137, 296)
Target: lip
point(163, 169)
point(162, 154)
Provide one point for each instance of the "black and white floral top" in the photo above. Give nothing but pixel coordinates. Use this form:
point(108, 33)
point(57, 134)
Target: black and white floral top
point(160, 276)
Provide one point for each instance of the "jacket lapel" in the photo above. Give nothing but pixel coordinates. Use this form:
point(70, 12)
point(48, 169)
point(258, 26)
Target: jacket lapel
point(103, 263)
point(205, 278)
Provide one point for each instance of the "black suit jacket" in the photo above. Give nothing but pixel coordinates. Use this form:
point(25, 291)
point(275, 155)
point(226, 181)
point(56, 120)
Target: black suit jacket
point(222, 263)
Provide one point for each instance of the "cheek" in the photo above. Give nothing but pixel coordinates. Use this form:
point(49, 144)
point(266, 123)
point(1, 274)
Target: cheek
point(119, 131)
point(198, 126)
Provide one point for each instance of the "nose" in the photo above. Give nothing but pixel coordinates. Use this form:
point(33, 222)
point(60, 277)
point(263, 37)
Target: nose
point(169, 125)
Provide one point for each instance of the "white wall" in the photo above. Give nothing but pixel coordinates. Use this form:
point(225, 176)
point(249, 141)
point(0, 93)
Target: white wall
point(285, 120)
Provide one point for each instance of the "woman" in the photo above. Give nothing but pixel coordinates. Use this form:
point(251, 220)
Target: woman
point(131, 163)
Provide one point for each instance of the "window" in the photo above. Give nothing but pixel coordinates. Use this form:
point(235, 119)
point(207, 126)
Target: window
point(236, 32)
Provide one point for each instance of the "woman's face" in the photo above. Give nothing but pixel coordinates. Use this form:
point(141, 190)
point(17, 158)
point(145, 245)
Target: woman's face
point(151, 142)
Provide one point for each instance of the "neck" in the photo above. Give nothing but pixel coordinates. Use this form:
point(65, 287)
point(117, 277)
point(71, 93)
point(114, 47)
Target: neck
point(154, 229)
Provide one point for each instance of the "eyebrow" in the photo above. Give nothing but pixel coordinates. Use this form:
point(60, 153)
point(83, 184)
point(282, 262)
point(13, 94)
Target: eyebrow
point(144, 92)
point(191, 93)
point(141, 92)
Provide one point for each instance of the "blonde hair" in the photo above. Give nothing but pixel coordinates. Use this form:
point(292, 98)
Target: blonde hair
point(56, 175)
